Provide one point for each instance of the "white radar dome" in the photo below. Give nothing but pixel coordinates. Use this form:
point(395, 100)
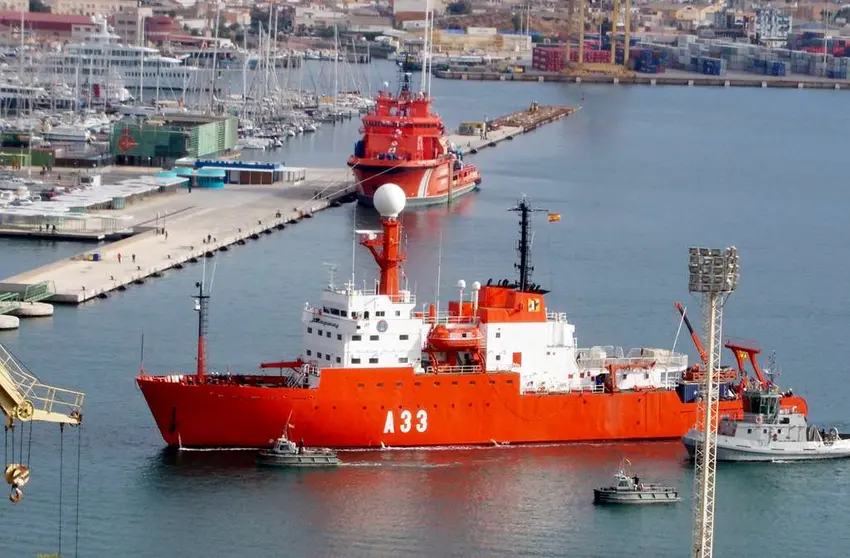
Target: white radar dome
point(389, 200)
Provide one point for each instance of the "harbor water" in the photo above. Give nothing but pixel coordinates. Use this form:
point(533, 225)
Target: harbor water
point(638, 175)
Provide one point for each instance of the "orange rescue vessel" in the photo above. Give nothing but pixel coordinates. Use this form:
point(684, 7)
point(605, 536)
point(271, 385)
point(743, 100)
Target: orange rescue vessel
point(497, 367)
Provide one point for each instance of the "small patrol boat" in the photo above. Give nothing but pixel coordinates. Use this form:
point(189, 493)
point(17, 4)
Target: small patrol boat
point(628, 489)
point(284, 453)
point(771, 433)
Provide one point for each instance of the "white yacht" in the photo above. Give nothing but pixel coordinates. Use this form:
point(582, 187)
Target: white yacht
point(138, 67)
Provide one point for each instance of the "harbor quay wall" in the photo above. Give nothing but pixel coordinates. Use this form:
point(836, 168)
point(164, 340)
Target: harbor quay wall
point(215, 221)
point(652, 79)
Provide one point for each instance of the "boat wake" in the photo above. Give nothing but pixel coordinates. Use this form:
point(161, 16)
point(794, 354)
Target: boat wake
point(400, 465)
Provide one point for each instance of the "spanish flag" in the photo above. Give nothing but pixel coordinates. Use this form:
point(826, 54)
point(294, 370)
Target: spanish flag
point(554, 217)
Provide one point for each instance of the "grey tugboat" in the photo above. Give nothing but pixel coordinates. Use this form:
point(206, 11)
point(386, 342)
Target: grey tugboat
point(628, 489)
point(284, 453)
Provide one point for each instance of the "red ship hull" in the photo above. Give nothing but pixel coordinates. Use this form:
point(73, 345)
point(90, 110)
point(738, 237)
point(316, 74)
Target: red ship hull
point(394, 407)
point(424, 182)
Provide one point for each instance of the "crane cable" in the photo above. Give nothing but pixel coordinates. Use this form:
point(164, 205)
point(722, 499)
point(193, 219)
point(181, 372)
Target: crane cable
point(29, 446)
point(61, 470)
point(77, 530)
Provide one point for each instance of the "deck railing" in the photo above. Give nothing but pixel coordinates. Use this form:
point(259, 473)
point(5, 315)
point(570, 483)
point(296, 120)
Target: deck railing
point(19, 389)
point(466, 369)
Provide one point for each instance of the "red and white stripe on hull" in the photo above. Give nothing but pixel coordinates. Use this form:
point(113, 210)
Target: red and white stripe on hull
point(423, 182)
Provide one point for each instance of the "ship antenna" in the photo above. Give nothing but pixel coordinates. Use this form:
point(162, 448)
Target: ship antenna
point(353, 245)
point(201, 306)
point(524, 245)
point(142, 355)
point(331, 270)
point(439, 274)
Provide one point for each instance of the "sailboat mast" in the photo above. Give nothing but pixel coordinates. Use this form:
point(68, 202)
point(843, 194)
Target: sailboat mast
point(215, 56)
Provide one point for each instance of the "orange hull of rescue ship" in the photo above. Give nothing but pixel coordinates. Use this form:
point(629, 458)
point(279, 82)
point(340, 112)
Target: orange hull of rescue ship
point(496, 367)
point(404, 143)
point(350, 408)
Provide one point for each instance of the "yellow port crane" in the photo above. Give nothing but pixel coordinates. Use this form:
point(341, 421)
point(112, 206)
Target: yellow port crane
point(24, 398)
point(580, 68)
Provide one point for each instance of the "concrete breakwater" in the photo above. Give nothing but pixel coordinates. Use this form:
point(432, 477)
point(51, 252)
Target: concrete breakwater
point(509, 126)
point(190, 226)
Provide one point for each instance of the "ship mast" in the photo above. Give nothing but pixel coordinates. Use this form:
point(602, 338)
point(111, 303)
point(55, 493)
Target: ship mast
point(524, 245)
point(389, 200)
point(201, 306)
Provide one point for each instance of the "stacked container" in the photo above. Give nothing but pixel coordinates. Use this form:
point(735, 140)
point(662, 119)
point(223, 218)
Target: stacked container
point(838, 68)
point(548, 58)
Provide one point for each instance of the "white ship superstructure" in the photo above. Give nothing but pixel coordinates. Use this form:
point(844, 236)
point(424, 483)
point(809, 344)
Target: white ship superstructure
point(94, 60)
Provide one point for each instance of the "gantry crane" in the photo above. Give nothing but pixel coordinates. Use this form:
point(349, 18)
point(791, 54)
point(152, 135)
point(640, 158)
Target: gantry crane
point(580, 67)
point(24, 398)
point(714, 275)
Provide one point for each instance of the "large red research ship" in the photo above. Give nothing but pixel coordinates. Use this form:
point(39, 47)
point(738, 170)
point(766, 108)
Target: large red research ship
point(405, 143)
point(376, 369)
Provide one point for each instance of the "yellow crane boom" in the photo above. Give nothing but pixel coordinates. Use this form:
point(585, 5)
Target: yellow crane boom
point(24, 397)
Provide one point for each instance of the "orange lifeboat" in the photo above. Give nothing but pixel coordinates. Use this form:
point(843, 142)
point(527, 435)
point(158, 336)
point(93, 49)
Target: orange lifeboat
point(457, 338)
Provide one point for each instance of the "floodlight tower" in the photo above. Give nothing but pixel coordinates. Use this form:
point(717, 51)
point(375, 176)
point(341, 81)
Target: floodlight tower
point(713, 273)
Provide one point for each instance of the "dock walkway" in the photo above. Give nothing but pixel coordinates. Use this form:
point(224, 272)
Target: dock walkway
point(196, 225)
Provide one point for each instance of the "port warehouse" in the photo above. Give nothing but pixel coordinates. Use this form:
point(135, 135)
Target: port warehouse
point(161, 140)
point(708, 56)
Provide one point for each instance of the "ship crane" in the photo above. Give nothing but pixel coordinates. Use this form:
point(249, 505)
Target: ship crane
point(714, 275)
point(24, 398)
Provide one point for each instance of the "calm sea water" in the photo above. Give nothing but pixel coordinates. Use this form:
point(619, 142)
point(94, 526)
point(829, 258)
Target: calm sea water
point(639, 175)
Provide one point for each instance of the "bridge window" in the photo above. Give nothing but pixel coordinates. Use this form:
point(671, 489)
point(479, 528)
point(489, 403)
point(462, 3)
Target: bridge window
point(355, 338)
point(318, 355)
point(374, 337)
point(380, 313)
point(334, 312)
point(319, 332)
point(373, 360)
point(338, 360)
point(498, 334)
point(403, 337)
point(339, 337)
point(398, 313)
point(328, 334)
point(343, 313)
point(402, 360)
point(498, 357)
point(309, 352)
point(309, 330)
point(355, 360)
point(328, 357)
point(366, 315)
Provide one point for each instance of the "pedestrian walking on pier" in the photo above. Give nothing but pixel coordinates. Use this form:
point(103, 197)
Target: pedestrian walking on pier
point(134, 258)
point(119, 257)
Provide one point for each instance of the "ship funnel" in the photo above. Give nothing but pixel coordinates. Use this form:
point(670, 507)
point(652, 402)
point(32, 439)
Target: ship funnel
point(476, 286)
